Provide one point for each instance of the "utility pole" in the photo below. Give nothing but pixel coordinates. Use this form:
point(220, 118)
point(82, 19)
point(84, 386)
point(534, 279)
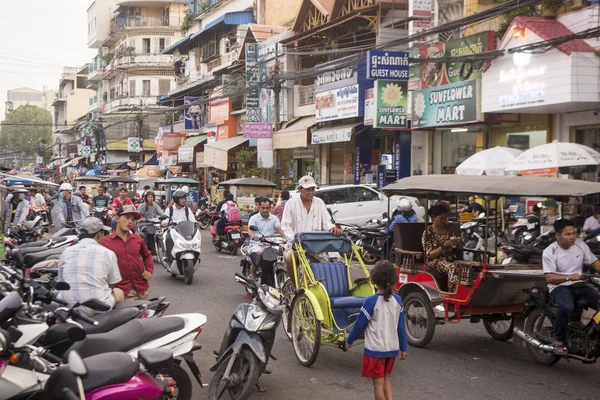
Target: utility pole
point(276, 90)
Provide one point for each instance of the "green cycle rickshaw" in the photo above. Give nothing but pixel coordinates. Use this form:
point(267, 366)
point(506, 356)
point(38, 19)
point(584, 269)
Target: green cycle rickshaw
point(327, 302)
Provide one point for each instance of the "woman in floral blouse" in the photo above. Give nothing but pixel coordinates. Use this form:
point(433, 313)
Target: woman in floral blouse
point(439, 245)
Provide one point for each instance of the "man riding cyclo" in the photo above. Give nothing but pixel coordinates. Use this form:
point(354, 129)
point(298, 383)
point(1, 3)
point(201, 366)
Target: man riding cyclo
point(267, 225)
point(305, 213)
point(177, 213)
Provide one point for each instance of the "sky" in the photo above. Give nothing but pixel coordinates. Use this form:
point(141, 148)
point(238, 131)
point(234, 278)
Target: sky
point(38, 38)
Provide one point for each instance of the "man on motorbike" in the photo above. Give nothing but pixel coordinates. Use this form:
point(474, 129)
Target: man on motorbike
point(224, 210)
point(37, 199)
point(89, 268)
point(563, 264)
point(101, 199)
point(16, 209)
point(149, 210)
point(267, 224)
point(134, 258)
point(305, 213)
point(405, 214)
point(70, 208)
point(118, 202)
point(177, 213)
point(592, 222)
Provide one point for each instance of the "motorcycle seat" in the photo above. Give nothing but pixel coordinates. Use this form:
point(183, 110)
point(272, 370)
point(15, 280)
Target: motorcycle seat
point(127, 337)
point(131, 303)
point(155, 359)
point(33, 258)
point(25, 251)
point(60, 239)
point(103, 370)
point(39, 243)
point(334, 276)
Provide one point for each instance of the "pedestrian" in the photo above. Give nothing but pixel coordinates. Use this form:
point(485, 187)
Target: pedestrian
point(278, 211)
point(16, 209)
point(134, 258)
point(381, 319)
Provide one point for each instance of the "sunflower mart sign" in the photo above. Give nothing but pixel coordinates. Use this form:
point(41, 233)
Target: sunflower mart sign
point(453, 104)
point(390, 104)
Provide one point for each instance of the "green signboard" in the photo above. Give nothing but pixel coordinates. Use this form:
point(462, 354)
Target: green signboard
point(390, 104)
point(454, 104)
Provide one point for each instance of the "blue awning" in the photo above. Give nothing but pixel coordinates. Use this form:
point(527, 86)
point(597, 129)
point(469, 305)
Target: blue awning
point(232, 18)
point(152, 160)
point(175, 46)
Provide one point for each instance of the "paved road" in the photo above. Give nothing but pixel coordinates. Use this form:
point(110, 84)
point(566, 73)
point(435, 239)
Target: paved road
point(461, 362)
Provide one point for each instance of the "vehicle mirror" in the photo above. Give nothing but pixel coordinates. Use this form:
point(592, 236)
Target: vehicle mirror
point(76, 364)
point(62, 285)
point(76, 334)
point(253, 228)
point(96, 305)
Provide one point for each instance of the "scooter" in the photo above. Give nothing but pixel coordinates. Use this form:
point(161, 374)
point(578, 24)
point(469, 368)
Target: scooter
point(230, 240)
point(248, 341)
point(270, 266)
point(203, 215)
point(185, 254)
point(527, 228)
point(148, 231)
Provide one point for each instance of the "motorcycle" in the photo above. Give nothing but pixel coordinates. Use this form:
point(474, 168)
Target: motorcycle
point(203, 216)
point(231, 239)
point(527, 228)
point(39, 214)
point(248, 342)
point(148, 231)
point(270, 268)
point(536, 325)
point(185, 254)
point(102, 214)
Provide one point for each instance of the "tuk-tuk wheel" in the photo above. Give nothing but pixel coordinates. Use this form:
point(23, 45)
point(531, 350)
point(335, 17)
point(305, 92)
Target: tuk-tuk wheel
point(419, 319)
point(306, 331)
point(499, 329)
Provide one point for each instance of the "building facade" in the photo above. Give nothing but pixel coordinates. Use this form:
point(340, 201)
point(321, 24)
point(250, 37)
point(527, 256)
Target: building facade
point(23, 96)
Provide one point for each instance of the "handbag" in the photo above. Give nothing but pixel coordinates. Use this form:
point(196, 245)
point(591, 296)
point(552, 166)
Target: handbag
point(450, 254)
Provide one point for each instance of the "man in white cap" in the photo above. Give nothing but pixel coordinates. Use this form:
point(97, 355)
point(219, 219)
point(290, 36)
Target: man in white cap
point(305, 213)
point(70, 208)
point(90, 268)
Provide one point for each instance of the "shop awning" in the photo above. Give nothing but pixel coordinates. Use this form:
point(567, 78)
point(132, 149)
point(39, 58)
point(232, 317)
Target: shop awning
point(122, 145)
point(69, 163)
point(177, 45)
point(294, 135)
point(231, 18)
point(217, 154)
point(152, 160)
point(194, 141)
point(336, 133)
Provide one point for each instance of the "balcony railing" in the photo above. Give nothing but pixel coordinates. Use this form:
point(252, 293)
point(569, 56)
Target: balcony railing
point(143, 60)
point(121, 23)
point(208, 51)
point(213, 64)
point(93, 100)
point(129, 102)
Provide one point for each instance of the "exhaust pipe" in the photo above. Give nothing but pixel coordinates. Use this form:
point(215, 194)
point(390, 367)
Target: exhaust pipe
point(532, 341)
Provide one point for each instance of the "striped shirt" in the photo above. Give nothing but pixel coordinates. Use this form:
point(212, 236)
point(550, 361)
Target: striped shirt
point(297, 220)
point(89, 268)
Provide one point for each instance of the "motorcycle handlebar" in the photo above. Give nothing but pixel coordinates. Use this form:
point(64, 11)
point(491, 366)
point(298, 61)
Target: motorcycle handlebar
point(82, 317)
point(52, 358)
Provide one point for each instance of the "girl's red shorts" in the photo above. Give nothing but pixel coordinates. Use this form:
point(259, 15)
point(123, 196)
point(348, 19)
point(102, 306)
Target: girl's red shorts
point(376, 367)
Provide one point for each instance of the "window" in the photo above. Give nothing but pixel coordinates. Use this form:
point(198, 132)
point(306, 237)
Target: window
point(330, 197)
point(132, 88)
point(132, 44)
point(146, 88)
point(164, 85)
point(360, 194)
point(162, 44)
point(81, 82)
point(146, 46)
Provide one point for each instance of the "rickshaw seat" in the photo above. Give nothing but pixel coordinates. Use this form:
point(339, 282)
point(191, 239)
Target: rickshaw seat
point(334, 276)
point(440, 278)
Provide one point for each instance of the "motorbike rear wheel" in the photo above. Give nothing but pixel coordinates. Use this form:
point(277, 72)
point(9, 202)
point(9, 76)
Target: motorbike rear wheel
point(204, 222)
point(183, 383)
point(188, 271)
point(243, 376)
point(368, 257)
point(234, 249)
point(539, 326)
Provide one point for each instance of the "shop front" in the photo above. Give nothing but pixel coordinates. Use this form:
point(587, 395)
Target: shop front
point(219, 157)
point(186, 154)
point(292, 149)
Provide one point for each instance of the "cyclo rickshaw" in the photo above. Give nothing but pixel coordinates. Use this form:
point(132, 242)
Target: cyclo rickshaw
point(327, 302)
point(493, 293)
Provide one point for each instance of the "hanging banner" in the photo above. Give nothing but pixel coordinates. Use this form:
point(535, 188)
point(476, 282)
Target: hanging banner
point(192, 114)
point(390, 65)
point(258, 130)
point(264, 151)
point(453, 104)
point(337, 104)
point(369, 107)
point(390, 104)
point(252, 78)
point(185, 155)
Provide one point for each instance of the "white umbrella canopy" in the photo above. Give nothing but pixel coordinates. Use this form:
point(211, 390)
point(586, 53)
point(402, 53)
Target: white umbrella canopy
point(546, 159)
point(488, 162)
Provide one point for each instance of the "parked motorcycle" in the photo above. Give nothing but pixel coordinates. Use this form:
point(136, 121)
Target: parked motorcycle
point(230, 239)
point(185, 254)
point(270, 266)
point(39, 214)
point(247, 344)
point(527, 228)
point(536, 325)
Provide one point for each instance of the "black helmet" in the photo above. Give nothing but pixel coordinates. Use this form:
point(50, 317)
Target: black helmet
point(178, 194)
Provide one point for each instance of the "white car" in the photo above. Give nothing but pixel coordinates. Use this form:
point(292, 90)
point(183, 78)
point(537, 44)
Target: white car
point(357, 204)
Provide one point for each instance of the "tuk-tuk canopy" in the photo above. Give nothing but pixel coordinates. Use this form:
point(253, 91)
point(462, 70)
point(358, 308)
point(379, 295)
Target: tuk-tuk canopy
point(120, 179)
point(444, 186)
point(177, 181)
point(25, 180)
point(248, 182)
point(91, 178)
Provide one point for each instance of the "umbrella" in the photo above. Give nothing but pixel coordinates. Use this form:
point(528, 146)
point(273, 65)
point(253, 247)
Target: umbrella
point(548, 159)
point(488, 162)
point(148, 172)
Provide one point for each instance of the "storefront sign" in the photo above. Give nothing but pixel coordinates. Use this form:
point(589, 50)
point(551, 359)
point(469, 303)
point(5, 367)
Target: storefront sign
point(332, 135)
point(303, 153)
point(357, 165)
point(397, 151)
point(258, 130)
point(166, 161)
point(453, 104)
point(222, 132)
point(185, 155)
point(171, 140)
point(252, 79)
point(390, 65)
point(200, 160)
point(415, 27)
point(369, 107)
point(134, 145)
point(337, 78)
point(390, 104)
point(337, 104)
point(264, 151)
point(192, 114)
point(419, 8)
point(219, 111)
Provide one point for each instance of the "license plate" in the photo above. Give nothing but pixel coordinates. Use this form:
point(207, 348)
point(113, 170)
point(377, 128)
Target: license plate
point(235, 236)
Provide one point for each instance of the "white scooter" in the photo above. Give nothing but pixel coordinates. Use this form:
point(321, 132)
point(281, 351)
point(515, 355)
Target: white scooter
point(185, 254)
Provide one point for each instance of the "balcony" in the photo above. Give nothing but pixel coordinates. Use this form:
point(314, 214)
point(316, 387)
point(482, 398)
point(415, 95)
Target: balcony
point(139, 22)
point(190, 79)
point(224, 61)
point(95, 72)
point(95, 104)
point(215, 63)
point(137, 61)
point(128, 103)
point(304, 100)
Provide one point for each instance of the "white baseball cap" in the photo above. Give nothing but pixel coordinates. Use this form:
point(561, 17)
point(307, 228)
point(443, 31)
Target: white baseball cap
point(307, 182)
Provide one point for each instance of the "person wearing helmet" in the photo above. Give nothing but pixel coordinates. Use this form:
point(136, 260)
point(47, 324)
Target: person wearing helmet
point(183, 189)
point(177, 213)
point(405, 213)
point(149, 209)
point(70, 208)
point(16, 209)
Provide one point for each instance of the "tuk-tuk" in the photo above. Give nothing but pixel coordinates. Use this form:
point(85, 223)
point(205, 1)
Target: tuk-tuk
point(172, 184)
point(245, 191)
point(91, 183)
point(115, 182)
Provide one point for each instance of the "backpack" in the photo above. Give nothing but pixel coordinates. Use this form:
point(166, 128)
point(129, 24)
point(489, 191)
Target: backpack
point(233, 214)
point(171, 213)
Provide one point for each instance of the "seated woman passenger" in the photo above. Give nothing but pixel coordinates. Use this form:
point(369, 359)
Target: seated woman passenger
point(440, 246)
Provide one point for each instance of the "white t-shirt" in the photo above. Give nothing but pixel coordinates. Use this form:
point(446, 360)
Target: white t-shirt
point(38, 200)
point(557, 260)
point(591, 224)
point(179, 215)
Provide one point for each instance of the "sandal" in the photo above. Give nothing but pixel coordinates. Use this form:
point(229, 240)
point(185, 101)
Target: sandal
point(560, 349)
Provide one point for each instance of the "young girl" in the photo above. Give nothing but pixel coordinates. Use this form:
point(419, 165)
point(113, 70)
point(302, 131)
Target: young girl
point(382, 319)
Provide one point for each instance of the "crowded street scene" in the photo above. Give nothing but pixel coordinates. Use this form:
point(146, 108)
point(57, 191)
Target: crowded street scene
point(269, 199)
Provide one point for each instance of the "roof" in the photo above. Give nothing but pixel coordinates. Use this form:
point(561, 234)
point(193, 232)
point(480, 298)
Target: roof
point(194, 141)
point(264, 32)
point(325, 6)
point(248, 182)
point(178, 181)
point(227, 144)
point(299, 125)
point(549, 29)
point(120, 179)
point(444, 186)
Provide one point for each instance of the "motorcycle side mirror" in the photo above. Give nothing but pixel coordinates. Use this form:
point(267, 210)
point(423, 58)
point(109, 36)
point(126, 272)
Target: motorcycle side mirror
point(76, 364)
point(253, 228)
point(61, 285)
point(96, 305)
point(76, 334)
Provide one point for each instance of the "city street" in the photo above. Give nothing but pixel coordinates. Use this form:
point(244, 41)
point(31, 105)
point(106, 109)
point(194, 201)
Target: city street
point(461, 362)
